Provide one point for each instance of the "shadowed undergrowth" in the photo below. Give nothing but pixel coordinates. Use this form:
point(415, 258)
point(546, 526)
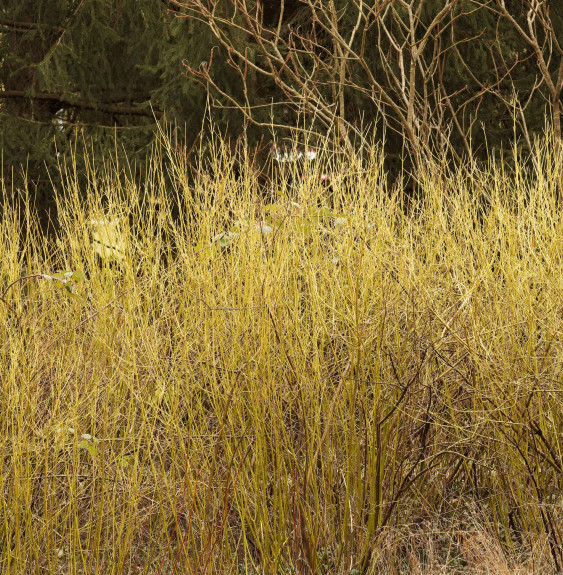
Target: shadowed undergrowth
point(287, 384)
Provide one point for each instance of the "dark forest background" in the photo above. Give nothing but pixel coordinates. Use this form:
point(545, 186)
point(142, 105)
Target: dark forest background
point(460, 78)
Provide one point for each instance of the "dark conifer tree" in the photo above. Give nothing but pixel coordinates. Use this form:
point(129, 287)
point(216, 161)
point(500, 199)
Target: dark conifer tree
point(102, 71)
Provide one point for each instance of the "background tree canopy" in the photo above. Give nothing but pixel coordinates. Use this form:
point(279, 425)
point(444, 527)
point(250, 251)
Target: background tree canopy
point(464, 76)
point(99, 70)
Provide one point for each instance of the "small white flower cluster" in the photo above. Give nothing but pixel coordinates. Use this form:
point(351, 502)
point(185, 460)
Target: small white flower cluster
point(293, 154)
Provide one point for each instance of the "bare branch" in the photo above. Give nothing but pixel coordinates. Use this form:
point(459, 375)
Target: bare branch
point(538, 13)
point(69, 101)
point(318, 65)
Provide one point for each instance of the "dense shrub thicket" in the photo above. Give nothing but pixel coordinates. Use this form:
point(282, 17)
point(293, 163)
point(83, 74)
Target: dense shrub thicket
point(304, 384)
